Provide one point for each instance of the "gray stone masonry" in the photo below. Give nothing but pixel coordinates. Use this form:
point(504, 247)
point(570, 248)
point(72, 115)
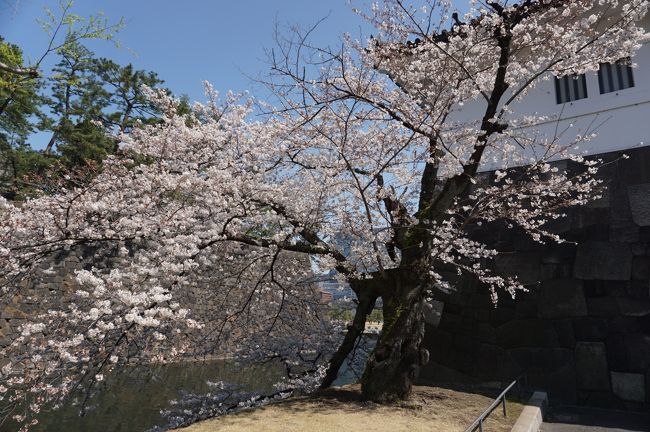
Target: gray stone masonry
point(582, 332)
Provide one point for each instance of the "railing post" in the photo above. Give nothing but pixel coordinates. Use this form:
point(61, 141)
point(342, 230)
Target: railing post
point(478, 423)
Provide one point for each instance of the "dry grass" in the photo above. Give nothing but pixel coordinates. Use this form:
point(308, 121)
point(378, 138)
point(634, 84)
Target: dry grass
point(341, 409)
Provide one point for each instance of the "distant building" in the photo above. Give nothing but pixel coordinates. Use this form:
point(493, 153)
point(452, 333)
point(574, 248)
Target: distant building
point(325, 297)
point(328, 284)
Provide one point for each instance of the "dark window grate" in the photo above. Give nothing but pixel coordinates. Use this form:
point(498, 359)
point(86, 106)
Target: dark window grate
point(570, 88)
point(615, 77)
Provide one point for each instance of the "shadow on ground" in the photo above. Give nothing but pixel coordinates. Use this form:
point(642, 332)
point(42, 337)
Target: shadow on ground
point(430, 409)
point(570, 419)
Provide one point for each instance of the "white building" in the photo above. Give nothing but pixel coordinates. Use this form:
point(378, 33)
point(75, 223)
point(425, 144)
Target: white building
point(614, 103)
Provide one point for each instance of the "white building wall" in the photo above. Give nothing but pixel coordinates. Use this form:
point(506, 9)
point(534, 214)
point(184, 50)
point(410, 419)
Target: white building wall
point(621, 119)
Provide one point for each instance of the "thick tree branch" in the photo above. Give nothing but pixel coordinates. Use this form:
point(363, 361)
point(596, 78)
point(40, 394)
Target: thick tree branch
point(29, 72)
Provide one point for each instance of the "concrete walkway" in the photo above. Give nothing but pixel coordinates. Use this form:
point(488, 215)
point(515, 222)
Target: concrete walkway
point(574, 419)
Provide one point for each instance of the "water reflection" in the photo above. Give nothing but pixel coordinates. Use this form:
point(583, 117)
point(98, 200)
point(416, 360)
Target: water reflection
point(132, 399)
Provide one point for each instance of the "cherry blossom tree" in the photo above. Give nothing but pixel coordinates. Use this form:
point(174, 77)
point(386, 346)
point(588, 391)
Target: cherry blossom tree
point(218, 217)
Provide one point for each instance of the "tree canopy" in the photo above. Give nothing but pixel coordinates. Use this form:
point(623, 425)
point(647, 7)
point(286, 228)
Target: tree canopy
point(81, 102)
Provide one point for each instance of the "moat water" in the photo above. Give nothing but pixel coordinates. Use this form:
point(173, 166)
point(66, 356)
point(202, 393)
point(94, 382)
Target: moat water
point(132, 400)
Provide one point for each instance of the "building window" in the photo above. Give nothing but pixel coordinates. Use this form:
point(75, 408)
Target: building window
point(570, 88)
point(614, 77)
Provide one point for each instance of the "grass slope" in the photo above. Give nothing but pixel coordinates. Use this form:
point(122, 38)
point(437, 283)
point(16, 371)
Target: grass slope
point(341, 409)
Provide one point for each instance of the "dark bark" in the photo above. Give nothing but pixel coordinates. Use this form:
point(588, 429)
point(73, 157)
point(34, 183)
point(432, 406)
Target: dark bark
point(50, 143)
point(355, 330)
point(6, 102)
point(29, 72)
point(398, 355)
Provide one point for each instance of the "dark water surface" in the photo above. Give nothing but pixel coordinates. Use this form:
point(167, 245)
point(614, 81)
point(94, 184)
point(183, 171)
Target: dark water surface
point(132, 399)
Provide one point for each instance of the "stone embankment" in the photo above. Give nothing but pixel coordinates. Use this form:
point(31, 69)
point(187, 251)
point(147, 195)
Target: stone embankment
point(582, 332)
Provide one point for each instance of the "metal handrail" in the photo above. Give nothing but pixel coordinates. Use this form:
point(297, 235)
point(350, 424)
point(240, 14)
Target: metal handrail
point(478, 423)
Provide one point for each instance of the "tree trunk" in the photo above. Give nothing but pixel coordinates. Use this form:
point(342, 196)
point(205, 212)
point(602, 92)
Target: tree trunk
point(364, 307)
point(397, 357)
point(50, 144)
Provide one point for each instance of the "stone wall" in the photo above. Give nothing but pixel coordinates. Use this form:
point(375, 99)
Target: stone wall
point(582, 332)
point(53, 284)
point(52, 287)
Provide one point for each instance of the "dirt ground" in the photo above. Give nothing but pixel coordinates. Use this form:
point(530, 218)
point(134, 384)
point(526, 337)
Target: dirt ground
point(341, 409)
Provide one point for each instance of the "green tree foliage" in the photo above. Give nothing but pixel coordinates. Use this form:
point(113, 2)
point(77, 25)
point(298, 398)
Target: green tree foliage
point(83, 102)
point(73, 103)
point(123, 89)
point(20, 109)
point(91, 97)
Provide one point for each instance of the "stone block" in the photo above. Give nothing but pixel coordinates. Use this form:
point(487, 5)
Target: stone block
point(629, 386)
point(449, 322)
point(644, 234)
point(643, 323)
point(526, 309)
point(584, 218)
point(565, 333)
point(560, 383)
point(559, 225)
point(633, 307)
point(524, 265)
point(638, 352)
point(603, 260)
point(635, 169)
point(493, 363)
point(562, 299)
point(604, 201)
point(453, 307)
point(600, 399)
point(522, 242)
point(542, 361)
point(639, 290)
point(629, 233)
point(628, 352)
point(647, 386)
point(641, 268)
point(639, 197)
point(596, 232)
point(480, 300)
point(591, 366)
point(591, 329)
point(527, 333)
point(622, 226)
point(639, 249)
point(602, 307)
point(556, 271)
point(617, 354)
point(439, 344)
point(466, 345)
point(501, 314)
point(486, 333)
point(625, 325)
point(482, 315)
point(597, 288)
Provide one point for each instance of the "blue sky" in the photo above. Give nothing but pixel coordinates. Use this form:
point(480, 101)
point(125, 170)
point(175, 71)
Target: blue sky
point(185, 42)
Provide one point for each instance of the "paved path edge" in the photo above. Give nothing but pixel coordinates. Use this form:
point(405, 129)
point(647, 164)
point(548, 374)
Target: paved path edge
point(532, 416)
